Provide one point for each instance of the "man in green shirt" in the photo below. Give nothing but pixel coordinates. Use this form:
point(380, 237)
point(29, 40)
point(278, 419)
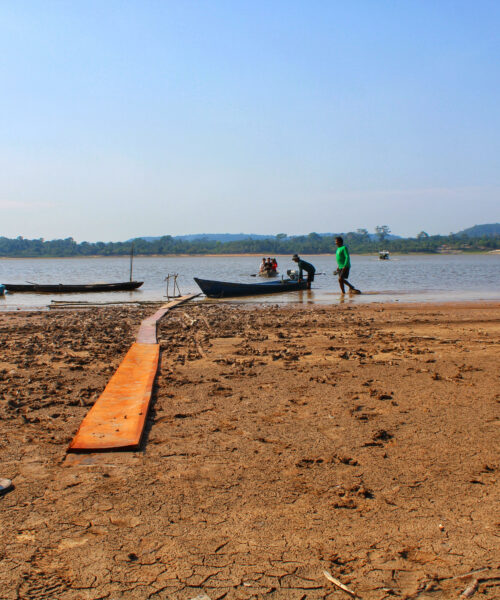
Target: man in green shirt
point(344, 266)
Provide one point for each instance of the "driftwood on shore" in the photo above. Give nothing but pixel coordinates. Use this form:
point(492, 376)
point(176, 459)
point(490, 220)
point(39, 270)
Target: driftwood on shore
point(110, 302)
point(470, 590)
point(340, 585)
point(58, 304)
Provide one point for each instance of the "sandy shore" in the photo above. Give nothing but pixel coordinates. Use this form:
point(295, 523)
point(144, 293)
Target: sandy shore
point(283, 441)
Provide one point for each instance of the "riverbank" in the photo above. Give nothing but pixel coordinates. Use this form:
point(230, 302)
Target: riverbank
point(249, 254)
point(361, 439)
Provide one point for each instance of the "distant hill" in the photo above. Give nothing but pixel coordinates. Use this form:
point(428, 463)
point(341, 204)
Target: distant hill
point(237, 237)
point(487, 230)
point(213, 237)
point(222, 237)
point(372, 236)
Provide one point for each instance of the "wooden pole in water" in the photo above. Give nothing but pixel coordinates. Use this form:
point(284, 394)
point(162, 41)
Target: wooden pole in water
point(131, 259)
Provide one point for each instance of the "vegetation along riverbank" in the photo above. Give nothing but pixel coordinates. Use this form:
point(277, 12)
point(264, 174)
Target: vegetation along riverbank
point(483, 239)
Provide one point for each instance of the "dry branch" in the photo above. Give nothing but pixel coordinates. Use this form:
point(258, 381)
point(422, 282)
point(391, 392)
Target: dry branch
point(470, 590)
point(340, 585)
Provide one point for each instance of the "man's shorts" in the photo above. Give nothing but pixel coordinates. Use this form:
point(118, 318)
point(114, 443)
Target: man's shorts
point(344, 273)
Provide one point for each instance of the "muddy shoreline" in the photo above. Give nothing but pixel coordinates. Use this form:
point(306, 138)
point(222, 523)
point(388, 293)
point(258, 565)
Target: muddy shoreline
point(282, 440)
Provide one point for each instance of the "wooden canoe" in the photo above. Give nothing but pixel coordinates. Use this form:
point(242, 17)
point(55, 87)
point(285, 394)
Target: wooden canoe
point(61, 288)
point(225, 289)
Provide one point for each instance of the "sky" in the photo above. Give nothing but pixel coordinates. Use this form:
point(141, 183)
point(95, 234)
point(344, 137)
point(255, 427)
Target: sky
point(127, 118)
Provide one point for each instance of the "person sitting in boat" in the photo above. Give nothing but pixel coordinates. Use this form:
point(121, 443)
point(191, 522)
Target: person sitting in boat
point(263, 266)
point(307, 267)
point(269, 264)
point(275, 264)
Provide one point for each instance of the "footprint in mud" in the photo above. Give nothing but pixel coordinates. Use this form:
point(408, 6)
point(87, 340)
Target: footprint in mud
point(379, 438)
point(309, 462)
point(221, 390)
point(366, 416)
point(348, 497)
point(382, 435)
point(345, 460)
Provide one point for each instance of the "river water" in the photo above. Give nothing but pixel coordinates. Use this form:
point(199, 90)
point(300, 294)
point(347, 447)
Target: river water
point(404, 278)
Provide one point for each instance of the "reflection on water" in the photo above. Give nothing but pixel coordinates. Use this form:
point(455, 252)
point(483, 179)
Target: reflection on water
point(403, 278)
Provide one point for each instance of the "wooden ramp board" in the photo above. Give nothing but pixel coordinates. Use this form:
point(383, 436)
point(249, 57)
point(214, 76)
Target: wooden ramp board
point(116, 421)
point(147, 330)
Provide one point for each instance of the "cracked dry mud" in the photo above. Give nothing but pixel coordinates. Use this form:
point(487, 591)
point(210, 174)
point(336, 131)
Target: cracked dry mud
point(281, 441)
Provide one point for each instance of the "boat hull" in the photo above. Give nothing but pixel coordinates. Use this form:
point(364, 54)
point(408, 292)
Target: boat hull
point(224, 289)
point(72, 289)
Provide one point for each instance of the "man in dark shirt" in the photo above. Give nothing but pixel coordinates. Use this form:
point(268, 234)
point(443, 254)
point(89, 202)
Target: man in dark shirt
point(307, 267)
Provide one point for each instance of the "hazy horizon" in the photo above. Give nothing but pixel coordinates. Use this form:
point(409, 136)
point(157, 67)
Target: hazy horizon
point(238, 233)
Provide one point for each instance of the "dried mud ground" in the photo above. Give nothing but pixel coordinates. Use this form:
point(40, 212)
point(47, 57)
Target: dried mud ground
point(282, 441)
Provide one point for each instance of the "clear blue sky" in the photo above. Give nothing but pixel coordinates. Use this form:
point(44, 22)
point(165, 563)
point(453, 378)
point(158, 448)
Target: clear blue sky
point(121, 118)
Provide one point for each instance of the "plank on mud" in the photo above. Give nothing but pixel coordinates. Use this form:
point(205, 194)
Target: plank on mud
point(116, 421)
point(147, 330)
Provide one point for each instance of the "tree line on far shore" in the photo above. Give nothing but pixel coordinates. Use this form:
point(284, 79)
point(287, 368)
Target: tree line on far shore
point(360, 242)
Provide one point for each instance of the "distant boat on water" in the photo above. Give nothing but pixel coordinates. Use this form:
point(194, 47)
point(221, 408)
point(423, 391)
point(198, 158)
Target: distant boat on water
point(77, 288)
point(268, 273)
point(60, 288)
point(384, 255)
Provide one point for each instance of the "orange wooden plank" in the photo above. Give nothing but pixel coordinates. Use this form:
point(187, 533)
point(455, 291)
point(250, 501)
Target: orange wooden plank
point(147, 330)
point(116, 421)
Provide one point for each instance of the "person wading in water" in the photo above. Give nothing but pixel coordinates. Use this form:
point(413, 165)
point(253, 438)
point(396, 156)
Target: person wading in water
point(344, 266)
point(307, 267)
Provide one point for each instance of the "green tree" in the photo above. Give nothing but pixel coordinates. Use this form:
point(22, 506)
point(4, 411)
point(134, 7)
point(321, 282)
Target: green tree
point(382, 231)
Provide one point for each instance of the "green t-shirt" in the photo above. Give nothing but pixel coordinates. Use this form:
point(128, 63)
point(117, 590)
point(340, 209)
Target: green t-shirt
point(343, 259)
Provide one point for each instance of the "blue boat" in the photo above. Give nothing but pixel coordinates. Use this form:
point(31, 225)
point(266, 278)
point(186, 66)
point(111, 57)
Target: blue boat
point(225, 289)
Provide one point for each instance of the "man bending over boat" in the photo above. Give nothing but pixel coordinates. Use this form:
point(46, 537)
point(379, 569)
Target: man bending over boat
point(344, 266)
point(305, 266)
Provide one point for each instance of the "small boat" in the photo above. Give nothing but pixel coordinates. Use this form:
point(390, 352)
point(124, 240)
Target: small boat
point(60, 288)
point(225, 289)
point(2, 290)
point(384, 255)
point(267, 273)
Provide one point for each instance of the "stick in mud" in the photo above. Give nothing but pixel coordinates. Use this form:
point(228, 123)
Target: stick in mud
point(340, 585)
point(470, 590)
point(90, 303)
